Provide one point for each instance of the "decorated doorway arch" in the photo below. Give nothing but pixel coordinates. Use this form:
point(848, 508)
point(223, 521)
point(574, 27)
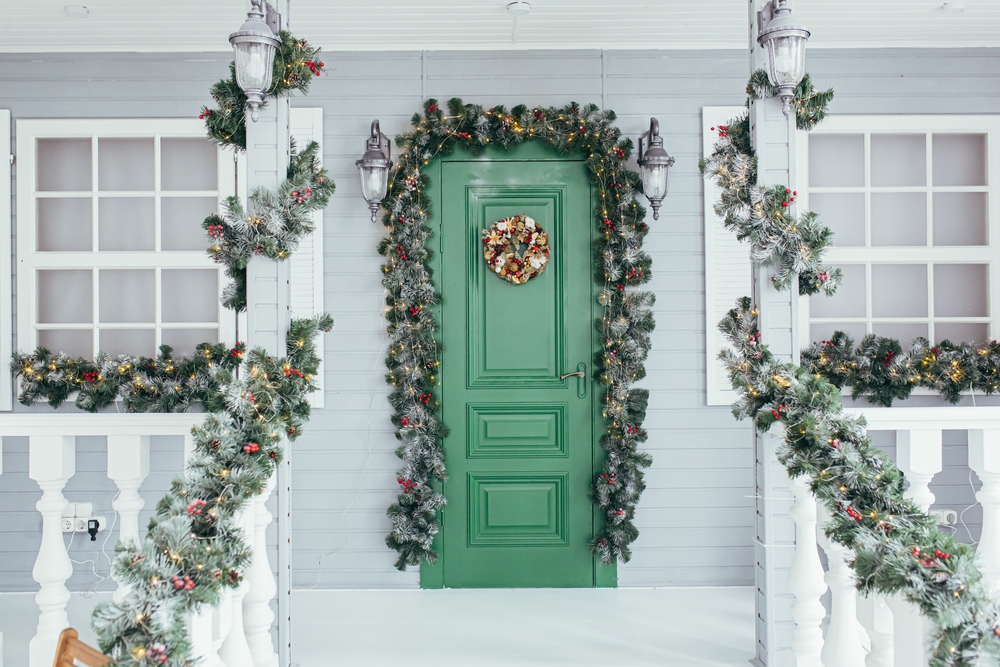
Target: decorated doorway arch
point(620, 265)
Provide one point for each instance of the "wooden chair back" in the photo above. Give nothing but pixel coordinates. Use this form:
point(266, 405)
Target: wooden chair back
point(70, 648)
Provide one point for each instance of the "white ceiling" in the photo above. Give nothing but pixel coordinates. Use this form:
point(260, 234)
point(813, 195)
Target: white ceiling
point(204, 25)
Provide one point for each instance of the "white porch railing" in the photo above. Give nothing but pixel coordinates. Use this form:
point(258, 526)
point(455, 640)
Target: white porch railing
point(879, 631)
point(234, 634)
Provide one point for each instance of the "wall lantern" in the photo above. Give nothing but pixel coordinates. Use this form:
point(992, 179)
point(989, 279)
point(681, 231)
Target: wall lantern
point(654, 166)
point(785, 40)
point(374, 167)
point(255, 44)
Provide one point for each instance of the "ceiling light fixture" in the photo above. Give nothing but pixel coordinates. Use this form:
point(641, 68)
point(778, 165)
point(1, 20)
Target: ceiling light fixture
point(518, 9)
point(76, 11)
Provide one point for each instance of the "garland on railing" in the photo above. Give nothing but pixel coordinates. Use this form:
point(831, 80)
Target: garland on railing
point(763, 215)
point(142, 384)
point(193, 547)
point(273, 224)
point(295, 65)
point(881, 372)
point(413, 351)
point(897, 547)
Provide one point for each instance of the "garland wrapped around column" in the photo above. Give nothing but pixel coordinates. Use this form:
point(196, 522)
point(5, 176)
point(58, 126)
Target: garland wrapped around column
point(193, 548)
point(897, 547)
point(620, 265)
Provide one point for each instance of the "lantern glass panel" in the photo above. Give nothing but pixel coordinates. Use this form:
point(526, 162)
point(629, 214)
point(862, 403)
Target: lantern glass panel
point(654, 180)
point(787, 55)
point(374, 181)
point(254, 62)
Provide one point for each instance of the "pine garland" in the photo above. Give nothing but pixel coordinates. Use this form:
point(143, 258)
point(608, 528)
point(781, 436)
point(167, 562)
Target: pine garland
point(142, 384)
point(897, 547)
point(295, 65)
point(413, 351)
point(193, 547)
point(764, 215)
point(273, 224)
point(881, 372)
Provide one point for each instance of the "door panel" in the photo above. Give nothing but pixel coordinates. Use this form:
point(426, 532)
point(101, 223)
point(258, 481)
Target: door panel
point(520, 453)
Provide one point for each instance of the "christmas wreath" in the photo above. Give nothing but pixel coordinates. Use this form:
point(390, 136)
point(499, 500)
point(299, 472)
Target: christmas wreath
point(503, 241)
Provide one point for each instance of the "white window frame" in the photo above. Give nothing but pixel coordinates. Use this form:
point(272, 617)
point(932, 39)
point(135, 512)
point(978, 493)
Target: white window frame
point(306, 263)
point(928, 255)
point(30, 260)
point(6, 222)
point(728, 273)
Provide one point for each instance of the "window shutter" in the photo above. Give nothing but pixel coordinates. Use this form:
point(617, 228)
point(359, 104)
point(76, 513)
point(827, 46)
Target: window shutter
point(306, 268)
point(727, 266)
point(6, 222)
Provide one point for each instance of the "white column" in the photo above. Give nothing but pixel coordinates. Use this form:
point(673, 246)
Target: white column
point(128, 466)
point(909, 633)
point(805, 580)
point(984, 458)
point(257, 614)
point(842, 647)
point(1, 472)
point(876, 618)
point(51, 462)
point(918, 455)
point(204, 636)
point(235, 651)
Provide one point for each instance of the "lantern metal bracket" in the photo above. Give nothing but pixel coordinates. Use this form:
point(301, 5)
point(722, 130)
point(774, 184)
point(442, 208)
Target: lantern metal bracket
point(272, 17)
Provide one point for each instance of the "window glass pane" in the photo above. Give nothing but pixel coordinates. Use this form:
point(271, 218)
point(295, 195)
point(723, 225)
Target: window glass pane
point(125, 164)
point(63, 164)
point(904, 332)
point(960, 290)
point(960, 218)
point(962, 332)
point(188, 164)
point(190, 295)
point(135, 342)
point(899, 218)
point(184, 341)
point(959, 159)
point(126, 223)
point(78, 343)
point(180, 222)
point(127, 295)
point(836, 160)
point(899, 290)
point(824, 331)
point(849, 300)
point(844, 213)
point(898, 159)
point(64, 225)
point(65, 296)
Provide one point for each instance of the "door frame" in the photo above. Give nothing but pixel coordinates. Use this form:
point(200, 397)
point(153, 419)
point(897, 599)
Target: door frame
point(432, 574)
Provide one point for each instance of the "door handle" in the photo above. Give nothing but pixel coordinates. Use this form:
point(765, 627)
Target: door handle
point(581, 381)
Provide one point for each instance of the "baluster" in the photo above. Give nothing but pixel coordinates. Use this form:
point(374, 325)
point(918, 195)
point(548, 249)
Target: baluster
point(805, 579)
point(842, 647)
point(984, 458)
point(918, 455)
point(235, 651)
point(876, 617)
point(128, 466)
point(51, 462)
point(201, 632)
point(258, 616)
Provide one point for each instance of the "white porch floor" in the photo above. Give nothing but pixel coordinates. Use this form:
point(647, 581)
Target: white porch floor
point(666, 627)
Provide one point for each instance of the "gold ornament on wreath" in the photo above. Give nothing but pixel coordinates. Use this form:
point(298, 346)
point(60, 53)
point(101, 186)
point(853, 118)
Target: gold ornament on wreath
point(503, 252)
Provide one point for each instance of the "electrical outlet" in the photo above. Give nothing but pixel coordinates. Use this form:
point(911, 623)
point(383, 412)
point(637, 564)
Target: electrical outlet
point(67, 524)
point(945, 517)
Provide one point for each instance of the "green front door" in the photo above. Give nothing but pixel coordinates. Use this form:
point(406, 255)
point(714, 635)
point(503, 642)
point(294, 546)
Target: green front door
point(520, 453)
